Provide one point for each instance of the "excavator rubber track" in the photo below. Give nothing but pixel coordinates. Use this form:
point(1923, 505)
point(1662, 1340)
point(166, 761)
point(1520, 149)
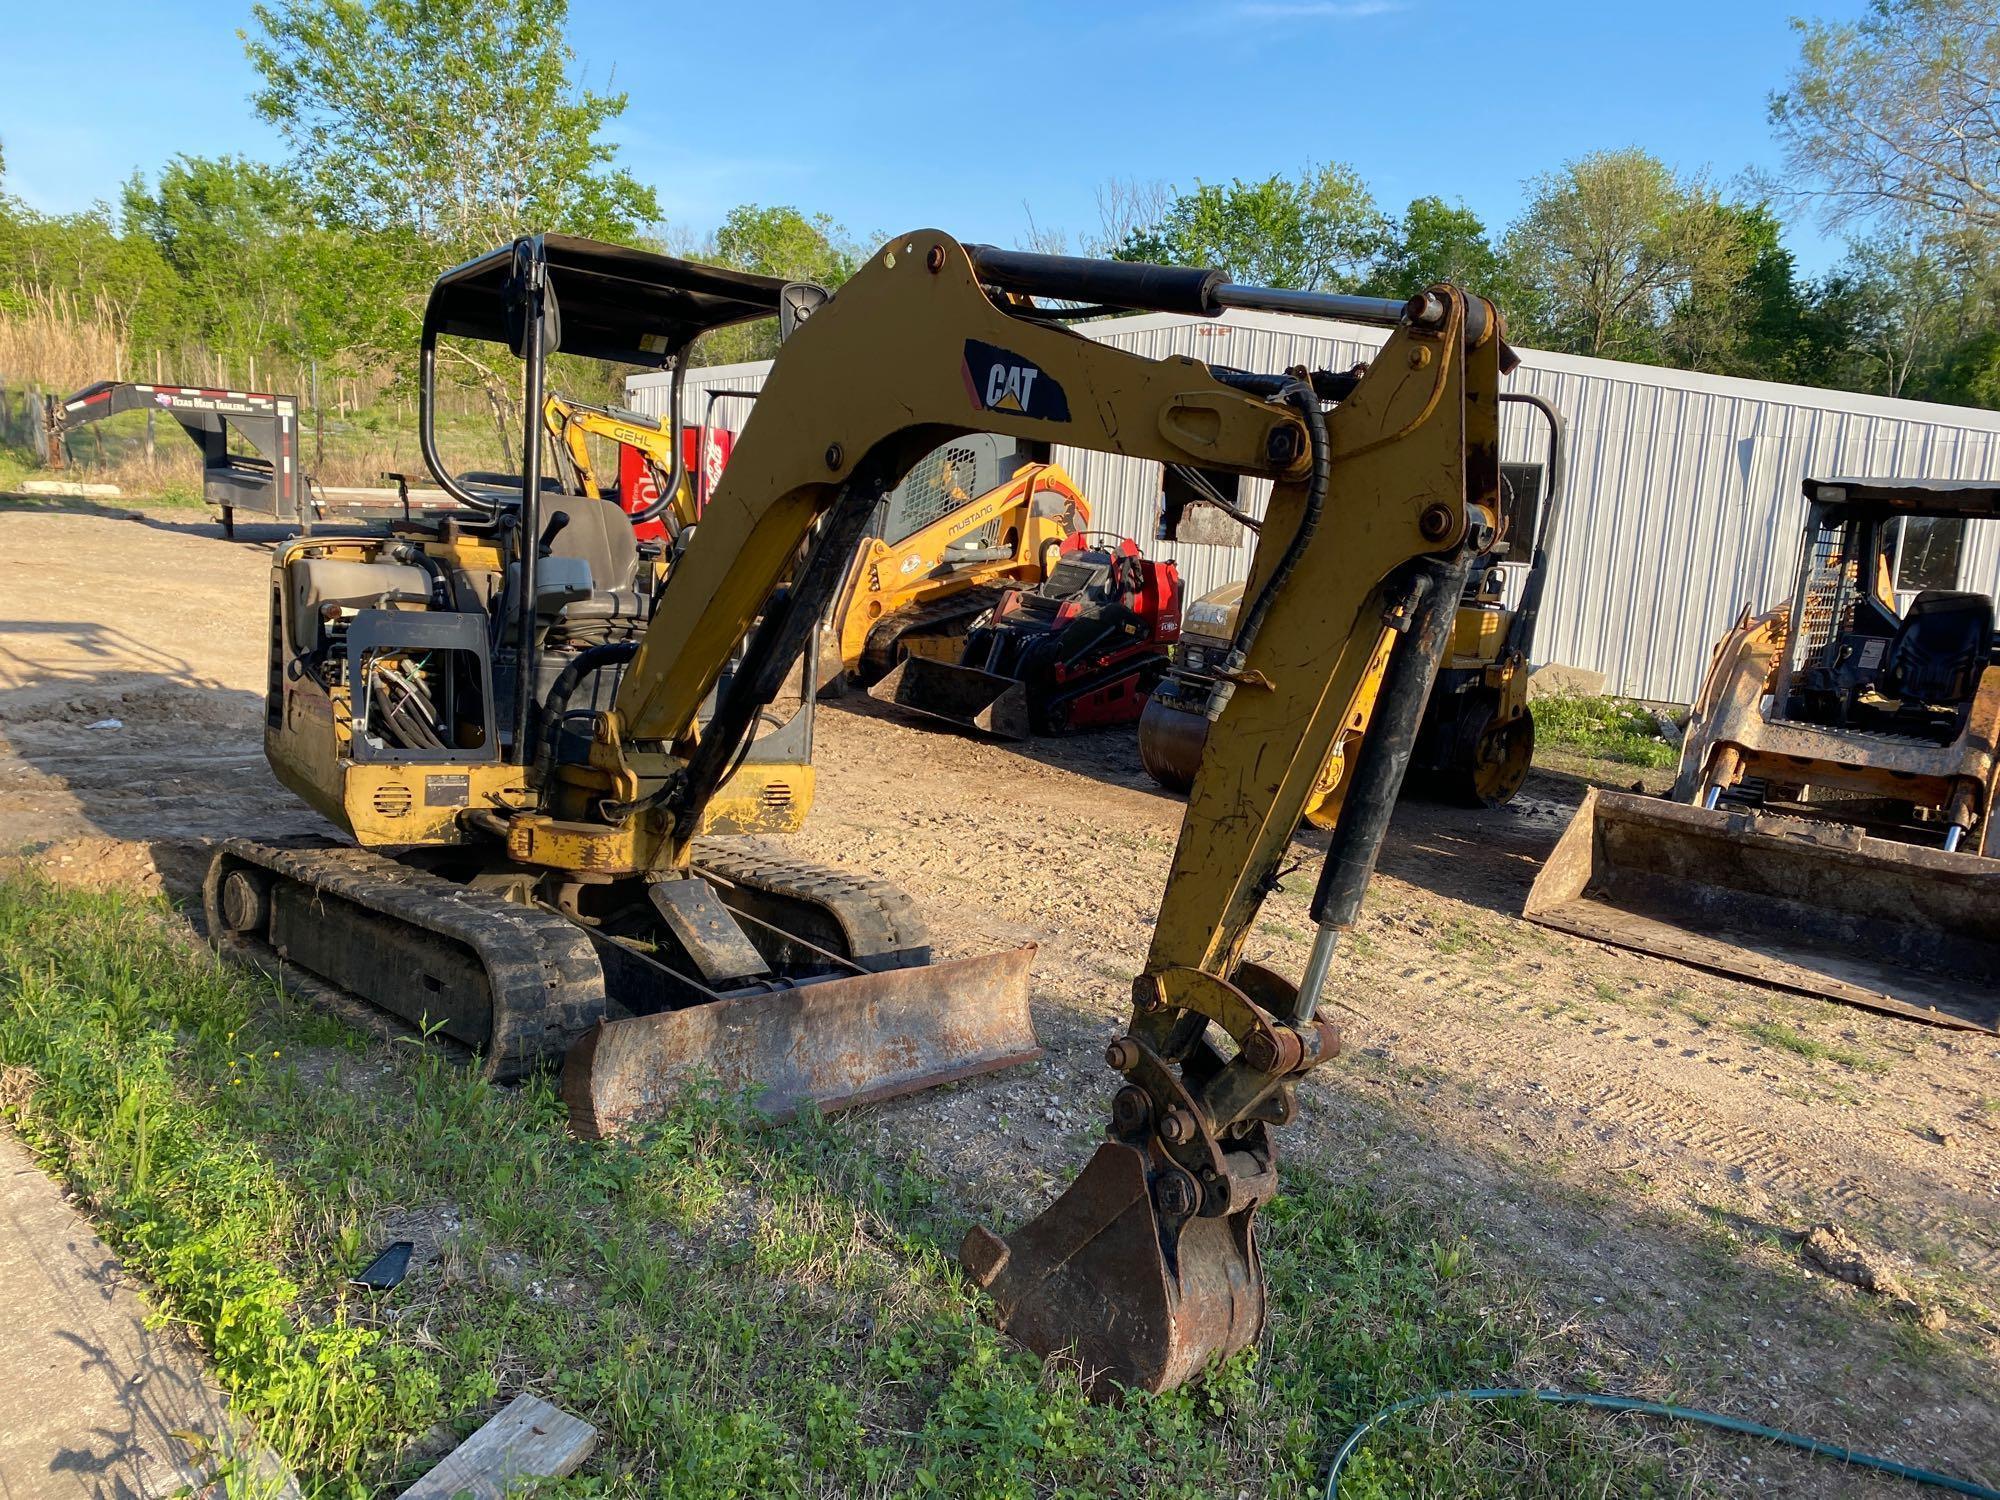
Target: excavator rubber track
point(868, 920)
point(880, 655)
point(516, 984)
point(524, 988)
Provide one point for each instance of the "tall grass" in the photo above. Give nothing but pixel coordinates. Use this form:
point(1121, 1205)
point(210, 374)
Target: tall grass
point(57, 342)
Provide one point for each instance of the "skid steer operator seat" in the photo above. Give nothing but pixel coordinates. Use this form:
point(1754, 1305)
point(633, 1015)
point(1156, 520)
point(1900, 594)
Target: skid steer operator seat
point(1940, 647)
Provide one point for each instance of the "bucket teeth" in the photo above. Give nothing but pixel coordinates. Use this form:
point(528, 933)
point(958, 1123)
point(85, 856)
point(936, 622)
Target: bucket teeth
point(1136, 1298)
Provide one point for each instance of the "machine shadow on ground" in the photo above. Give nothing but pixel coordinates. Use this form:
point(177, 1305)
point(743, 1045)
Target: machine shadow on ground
point(190, 521)
point(114, 738)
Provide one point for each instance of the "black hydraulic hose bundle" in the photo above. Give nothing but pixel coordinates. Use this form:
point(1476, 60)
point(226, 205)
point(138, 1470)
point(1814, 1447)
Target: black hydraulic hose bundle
point(554, 708)
point(1300, 395)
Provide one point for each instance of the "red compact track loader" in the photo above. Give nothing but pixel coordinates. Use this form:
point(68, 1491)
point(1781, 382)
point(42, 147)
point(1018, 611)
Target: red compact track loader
point(1081, 650)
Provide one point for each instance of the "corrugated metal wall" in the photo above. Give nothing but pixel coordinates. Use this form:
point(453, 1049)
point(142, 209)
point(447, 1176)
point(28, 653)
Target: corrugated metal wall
point(1682, 502)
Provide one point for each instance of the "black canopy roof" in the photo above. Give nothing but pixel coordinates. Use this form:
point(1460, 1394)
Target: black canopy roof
point(611, 302)
point(1974, 499)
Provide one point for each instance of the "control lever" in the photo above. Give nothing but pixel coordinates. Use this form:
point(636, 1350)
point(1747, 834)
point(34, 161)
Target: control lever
point(551, 531)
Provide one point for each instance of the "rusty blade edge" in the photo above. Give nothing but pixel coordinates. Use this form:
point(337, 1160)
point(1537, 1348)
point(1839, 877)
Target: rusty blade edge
point(621, 1073)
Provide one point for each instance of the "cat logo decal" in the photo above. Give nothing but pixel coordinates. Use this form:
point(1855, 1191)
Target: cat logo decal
point(1000, 380)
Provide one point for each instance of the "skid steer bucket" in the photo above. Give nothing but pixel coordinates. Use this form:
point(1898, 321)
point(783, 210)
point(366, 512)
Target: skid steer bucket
point(1812, 906)
point(958, 695)
point(828, 1043)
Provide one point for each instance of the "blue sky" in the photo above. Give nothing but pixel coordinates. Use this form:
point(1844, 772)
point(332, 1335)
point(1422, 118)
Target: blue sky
point(892, 115)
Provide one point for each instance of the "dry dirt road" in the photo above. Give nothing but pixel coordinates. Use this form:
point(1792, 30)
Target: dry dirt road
point(1644, 1141)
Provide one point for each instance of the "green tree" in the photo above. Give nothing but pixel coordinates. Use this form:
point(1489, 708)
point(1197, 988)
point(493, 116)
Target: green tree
point(455, 120)
point(1610, 245)
point(775, 240)
point(1436, 241)
point(1315, 232)
point(1908, 313)
point(219, 225)
point(781, 241)
point(1767, 325)
point(1894, 115)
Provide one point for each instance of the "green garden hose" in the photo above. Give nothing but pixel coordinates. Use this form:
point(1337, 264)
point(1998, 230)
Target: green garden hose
point(1656, 1409)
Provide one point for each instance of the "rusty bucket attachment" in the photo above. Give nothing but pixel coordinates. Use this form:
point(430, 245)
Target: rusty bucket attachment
point(831, 1043)
point(1141, 1298)
point(1807, 905)
point(962, 696)
point(1171, 739)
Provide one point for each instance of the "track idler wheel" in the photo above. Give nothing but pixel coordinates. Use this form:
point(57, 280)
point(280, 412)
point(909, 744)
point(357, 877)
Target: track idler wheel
point(1122, 1273)
point(1490, 759)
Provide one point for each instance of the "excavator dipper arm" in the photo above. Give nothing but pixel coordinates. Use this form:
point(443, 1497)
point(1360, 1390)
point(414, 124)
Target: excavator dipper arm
point(1147, 1266)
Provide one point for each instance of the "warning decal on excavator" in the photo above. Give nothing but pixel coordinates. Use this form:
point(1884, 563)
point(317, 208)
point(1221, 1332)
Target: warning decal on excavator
point(1001, 380)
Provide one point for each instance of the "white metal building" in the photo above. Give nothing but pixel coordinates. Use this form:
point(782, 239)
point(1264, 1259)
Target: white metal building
point(1681, 505)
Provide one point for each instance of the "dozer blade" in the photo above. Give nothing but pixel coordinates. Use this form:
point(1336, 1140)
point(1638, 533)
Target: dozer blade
point(962, 696)
point(829, 1042)
point(1818, 907)
point(1171, 739)
point(1099, 1273)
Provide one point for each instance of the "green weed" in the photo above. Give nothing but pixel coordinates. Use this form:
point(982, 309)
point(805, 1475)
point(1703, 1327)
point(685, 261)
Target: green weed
point(1790, 1039)
point(1605, 728)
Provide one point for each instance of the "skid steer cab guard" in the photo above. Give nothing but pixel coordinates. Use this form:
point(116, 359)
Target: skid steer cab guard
point(1831, 826)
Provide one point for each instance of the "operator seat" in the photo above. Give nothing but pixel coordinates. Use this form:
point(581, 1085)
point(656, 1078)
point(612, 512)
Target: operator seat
point(599, 534)
point(1943, 642)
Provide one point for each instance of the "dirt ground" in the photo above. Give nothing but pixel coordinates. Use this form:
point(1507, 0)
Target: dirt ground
point(1647, 1143)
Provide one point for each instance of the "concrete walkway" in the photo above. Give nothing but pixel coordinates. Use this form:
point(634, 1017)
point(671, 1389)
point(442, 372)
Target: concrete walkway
point(90, 1397)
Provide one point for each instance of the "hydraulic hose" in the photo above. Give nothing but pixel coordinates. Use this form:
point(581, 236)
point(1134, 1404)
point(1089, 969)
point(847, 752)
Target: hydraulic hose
point(1300, 395)
point(586, 661)
point(1811, 1445)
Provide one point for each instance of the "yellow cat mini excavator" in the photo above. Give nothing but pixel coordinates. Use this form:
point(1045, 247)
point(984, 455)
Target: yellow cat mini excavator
point(548, 899)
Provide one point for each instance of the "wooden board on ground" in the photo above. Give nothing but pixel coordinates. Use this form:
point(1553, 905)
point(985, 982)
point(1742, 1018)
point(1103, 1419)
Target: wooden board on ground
point(529, 1440)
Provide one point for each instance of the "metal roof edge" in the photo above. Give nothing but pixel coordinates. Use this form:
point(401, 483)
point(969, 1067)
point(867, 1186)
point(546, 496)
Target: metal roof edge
point(1629, 372)
point(652, 378)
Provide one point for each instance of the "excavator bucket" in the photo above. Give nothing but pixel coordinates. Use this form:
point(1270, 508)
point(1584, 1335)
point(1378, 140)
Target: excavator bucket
point(831, 1044)
point(1806, 905)
point(962, 696)
point(1185, 1293)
